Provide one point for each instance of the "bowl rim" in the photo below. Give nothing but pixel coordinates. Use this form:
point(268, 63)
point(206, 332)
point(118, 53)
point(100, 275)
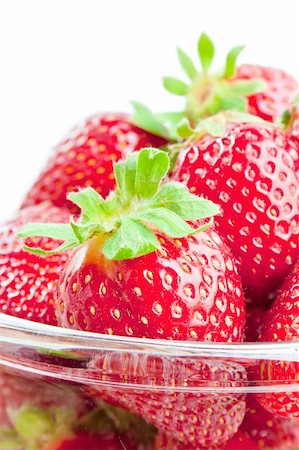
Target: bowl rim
point(26, 333)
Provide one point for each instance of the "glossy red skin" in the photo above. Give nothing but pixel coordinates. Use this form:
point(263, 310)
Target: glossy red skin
point(99, 441)
point(282, 324)
point(268, 431)
point(188, 289)
point(193, 418)
point(240, 441)
point(28, 283)
point(18, 392)
point(281, 90)
point(255, 317)
point(252, 173)
point(86, 157)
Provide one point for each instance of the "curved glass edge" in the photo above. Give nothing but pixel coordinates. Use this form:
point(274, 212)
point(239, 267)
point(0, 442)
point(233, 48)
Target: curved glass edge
point(32, 334)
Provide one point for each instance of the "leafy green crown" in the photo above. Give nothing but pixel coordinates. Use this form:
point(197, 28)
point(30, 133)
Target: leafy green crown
point(128, 219)
point(206, 94)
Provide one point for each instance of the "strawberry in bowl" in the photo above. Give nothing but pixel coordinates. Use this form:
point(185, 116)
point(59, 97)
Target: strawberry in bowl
point(148, 263)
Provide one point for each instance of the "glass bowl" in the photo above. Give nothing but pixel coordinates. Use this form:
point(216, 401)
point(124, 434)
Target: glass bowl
point(196, 391)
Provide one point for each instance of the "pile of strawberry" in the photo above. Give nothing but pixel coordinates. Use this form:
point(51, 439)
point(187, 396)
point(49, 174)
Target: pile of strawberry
point(179, 226)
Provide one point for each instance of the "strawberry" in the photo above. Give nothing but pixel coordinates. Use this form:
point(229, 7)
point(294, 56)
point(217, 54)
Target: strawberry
point(28, 283)
point(240, 441)
point(192, 417)
point(281, 89)
point(268, 431)
point(180, 284)
point(33, 412)
point(86, 156)
point(263, 91)
point(251, 170)
point(281, 325)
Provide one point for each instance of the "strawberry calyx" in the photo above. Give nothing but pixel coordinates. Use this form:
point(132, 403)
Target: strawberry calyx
point(126, 222)
point(207, 94)
point(34, 427)
point(290, 117)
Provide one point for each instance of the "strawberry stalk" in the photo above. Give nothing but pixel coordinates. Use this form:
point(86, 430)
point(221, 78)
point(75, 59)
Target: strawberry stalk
point(127, 220)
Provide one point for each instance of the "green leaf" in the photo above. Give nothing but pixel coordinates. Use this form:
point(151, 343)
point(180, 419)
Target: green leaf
point(206, 51)
point(175, 86)
point(187, 64)
point(84, 231)
point(152, 167)
point(131, 240)
point(33, 423)
point(170, 121)
point(167, 221)
point(90, 202)
point(244, 87)
point(60, 231)
point(176, 197)
point(184, 129)
point(9, 439)
point(231, 61)
point(125, 174)
point(215, 126)
point(144, 118)
point(233, 103)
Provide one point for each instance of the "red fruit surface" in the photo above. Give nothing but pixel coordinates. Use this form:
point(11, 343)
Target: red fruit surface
point(28, 283)
point(282, 324)
point(99, 441)
point(240, 441)
point(268, 431)
point(255, 317)
point(86, 157)
point(252, 173)
point(190, 416)
point(282, 88)
point(188, 289)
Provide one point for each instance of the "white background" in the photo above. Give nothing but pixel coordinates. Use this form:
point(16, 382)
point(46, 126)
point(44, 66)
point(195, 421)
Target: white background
point(61, 60)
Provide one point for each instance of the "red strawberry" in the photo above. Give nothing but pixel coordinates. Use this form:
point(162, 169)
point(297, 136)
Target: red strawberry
point(240, 441)
point(192, 417)
point(86, 157)
point(252, 172)
point(123, 280)
point(28, 283)
point(33, 412)
point(282, 324)
point(263, 91)
point(268, 431)
point(275, 99)
point(99, 441)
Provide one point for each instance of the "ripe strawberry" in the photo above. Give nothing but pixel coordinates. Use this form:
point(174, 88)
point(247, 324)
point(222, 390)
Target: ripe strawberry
point(192, 417)
point(259, 90)
point(123, 280)
point(28, 283)
point(275, 99)
point(32, 413)
point(282, 324)
point(240, 441)
point(268, 431)
point(86, 157)
point(251, 170)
